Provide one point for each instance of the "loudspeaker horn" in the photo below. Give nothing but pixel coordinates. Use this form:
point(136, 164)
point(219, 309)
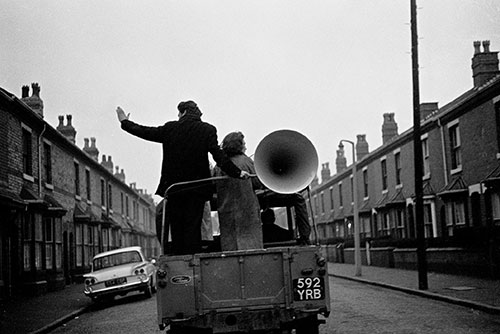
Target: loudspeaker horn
point(286, 161)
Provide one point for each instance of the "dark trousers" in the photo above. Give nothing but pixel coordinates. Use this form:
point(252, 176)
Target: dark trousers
point(183, 216)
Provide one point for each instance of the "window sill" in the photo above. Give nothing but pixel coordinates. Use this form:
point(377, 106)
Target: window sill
point(49, 186)
point(399, 186)
point(28, 178)
point(426, 176)
point(78, 197)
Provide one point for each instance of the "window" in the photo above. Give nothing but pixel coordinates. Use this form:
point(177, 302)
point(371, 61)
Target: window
point(77, 179)
point(331, 198)
point(122, 203)
point(38, 241)
point(316, 206)
point(428, 220)
point(387, 223)
point(341, 199)
point(110, 197)
point(383, 167)
point(88, 187)
point(425, 158)
point(58, 241)
point(400, 223)
point(322, 196)
point(27, 152)
point(352, 189)
point(126, 206)
point(397, 166)
point(456, 154)
point(79, 244)
point(365, 183)
point(47, 163)
point(366, 229)
point(103, 193)
point(48, 226)
point(27, 240)
point(456, 215)
point(495, 207)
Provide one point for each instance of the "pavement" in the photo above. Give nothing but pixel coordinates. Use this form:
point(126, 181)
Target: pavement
point(41, 314)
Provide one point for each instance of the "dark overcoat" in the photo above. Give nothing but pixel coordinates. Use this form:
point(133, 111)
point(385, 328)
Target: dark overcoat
point(186, 144)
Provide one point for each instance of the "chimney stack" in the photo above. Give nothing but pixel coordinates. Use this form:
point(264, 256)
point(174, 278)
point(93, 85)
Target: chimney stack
point(325, 172)
point(34, 101)
point(389, 128)
point(91, 149)
point(361, 147)
point(340, 161)
point(118, 175)
point(67, 130)
point(484, 64)
point(427, 109)
point(107, 163)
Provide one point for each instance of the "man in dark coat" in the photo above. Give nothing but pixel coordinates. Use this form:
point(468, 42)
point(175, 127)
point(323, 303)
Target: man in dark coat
point(186, 143)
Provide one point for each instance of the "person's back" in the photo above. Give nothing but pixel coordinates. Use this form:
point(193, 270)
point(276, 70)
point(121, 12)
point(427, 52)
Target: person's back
point(186, 143)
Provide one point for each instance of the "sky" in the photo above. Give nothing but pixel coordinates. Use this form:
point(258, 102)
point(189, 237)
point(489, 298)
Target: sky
point(328, 69)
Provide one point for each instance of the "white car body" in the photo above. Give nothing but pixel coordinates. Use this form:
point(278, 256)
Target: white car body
point(119, 272)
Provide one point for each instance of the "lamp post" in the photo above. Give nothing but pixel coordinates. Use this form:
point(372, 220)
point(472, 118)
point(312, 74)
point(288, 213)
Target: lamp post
point(357, 247)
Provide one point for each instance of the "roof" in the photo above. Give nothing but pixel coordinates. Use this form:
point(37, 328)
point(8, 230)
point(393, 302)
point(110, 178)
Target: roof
point(120, 250)
point(493, 177)
point(456, 187)
point(398, 199)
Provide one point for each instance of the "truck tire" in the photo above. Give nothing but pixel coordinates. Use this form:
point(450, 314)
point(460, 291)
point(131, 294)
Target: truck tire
point(308, 325)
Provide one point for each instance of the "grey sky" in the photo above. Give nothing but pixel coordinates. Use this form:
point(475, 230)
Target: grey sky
point(328, 69)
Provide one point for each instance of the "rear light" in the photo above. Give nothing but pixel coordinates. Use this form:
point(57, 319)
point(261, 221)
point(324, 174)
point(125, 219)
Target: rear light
point(162, 278)
point(321, 261)
point(90, 281)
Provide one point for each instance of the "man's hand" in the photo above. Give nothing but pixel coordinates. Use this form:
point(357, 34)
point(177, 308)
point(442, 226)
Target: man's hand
point(121, 114)
point(245, 175)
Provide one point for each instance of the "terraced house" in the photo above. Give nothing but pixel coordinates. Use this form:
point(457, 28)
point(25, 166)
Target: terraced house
point(58, 204)
point(461, 185)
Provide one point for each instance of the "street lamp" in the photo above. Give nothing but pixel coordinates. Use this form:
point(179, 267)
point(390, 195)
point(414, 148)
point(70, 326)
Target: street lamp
point(357, 247)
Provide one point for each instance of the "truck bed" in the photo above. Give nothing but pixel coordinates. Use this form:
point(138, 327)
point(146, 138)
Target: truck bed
point(242, 290)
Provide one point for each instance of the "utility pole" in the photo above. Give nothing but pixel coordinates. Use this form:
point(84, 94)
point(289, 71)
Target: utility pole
point(417, 149)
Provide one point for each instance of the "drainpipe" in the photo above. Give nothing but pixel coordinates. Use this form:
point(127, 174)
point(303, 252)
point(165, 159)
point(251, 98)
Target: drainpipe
point(443, 150)
point(40, 160)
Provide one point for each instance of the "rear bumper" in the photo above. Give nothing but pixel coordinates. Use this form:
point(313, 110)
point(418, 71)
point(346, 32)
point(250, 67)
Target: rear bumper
point(117, 290)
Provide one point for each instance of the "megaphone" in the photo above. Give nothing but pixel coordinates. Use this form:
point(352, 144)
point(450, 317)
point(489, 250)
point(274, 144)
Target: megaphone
point(286, 161)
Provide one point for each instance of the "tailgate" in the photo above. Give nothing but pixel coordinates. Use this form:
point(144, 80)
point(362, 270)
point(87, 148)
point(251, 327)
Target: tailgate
point(243, 279)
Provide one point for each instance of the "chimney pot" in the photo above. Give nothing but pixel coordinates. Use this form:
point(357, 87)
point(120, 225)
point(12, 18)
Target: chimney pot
point(86, 143)
point(61, 120)
point(25, 91)
point(103, 158)
point(477, 47)
point(35, 89)
point(68, 118)
point(92, 140)
point(486, 46)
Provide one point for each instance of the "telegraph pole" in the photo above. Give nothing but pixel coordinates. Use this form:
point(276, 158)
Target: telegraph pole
point(417, 149)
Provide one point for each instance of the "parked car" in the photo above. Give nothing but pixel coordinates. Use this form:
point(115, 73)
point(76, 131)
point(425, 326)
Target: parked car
point(119, 272)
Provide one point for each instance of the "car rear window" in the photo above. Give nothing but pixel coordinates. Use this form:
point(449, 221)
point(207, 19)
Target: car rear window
point(116, 260)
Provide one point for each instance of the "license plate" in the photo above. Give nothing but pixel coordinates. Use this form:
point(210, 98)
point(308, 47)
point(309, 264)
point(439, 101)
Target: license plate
point(116, 281)
point(308, 288)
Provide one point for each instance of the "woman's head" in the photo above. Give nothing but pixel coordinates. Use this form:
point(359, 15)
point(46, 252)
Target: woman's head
point(234, 144)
